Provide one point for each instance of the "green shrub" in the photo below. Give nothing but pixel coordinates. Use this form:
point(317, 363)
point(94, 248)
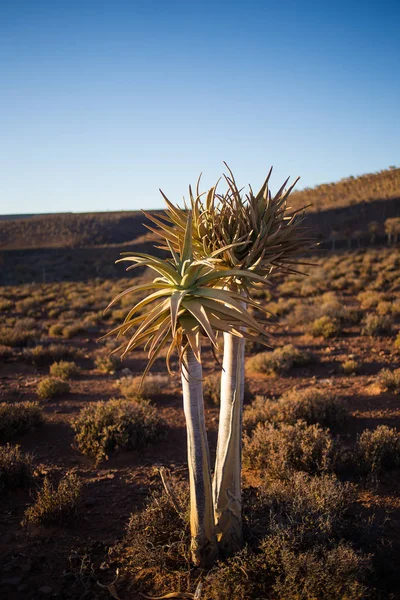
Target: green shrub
point(55, 505)
point(389, 380)
point(50, 387)
point(280, 449)
point(281, 360)
point(350, 366)
point(309, 404)
point(116, 425)
point(327, 327)
point(64, 370)
point(18, 418)
point(376, 325)
point(15, 467)
point(378, 450)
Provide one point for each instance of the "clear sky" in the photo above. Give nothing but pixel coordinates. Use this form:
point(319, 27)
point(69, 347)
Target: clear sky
point(104, 102)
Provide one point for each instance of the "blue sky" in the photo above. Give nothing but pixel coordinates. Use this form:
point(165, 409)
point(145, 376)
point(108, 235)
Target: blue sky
point(102, 103)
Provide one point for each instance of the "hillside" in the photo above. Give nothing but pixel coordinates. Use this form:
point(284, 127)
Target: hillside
point(384, 185)
point(349, 204)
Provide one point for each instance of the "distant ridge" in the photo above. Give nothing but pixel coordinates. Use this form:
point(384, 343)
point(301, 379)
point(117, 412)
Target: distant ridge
point(348, 205)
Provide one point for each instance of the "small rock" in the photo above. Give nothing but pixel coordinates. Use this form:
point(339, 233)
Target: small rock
point(45, 589)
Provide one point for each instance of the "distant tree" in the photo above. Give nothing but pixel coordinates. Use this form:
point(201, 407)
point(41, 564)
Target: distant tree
point(373, 230)
point(392, 229)
point(358, 235)
point(333, 237)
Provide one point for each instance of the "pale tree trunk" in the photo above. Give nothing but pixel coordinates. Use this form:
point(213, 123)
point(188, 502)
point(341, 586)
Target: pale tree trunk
point(227, 484)
point(202, 527)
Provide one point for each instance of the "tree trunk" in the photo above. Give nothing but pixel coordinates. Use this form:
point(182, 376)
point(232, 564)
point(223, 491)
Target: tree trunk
point(227, 484)
point(202, 528)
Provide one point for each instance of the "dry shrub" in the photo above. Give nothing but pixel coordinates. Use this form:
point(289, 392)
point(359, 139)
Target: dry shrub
point(296, 549)
point(115, 425)
point(397, 342)
point(18, 418)
point(350, 366)
point(378, 450)
point(44, 355)
point(107, 363)
point(64, 370)
point(376, 325)
point(56, 330)
point(281, 360)
point(15, 337)
point(15, 468)
point(370, 299)
point(309, 404)
point(152, 385)
point(51, 387)
point(55, 505)
point(212, 390)
point(327, 327)
point(278, 450)
point(71, 331)
point(389, 380)
point(5, 352)
point(278, 571)
point(156, 550)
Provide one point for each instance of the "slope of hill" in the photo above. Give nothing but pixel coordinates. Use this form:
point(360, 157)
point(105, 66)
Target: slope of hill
point(344, 209)
point(384, 185)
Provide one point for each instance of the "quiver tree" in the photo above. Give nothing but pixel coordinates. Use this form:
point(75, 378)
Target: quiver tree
point(257, 234)
point(185, 303)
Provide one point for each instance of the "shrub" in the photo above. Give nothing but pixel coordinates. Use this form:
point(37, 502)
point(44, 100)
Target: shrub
point(5, 352)
point(281, 360)
point(15, 337)
point(18, 418)
point(389, 380)
point(15, 467)
point(350, 366)
point(43, 355)
point(153, 384)
point(157, 542)
point(397, 342)
point(309, 404)
point(56, 330)
point(280, 449)
point(71, 331)
point(64, 370)
point(50, 387)
point(116, 425)
point(277, 570)
point(212, 389)
point(107, 363)
point(378, 450)
point(55, 505)
point(296, 528)
point(327, 327)
point(376, 325)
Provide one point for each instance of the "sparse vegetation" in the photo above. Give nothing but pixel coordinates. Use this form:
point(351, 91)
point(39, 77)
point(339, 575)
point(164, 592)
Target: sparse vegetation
point(64, 370)
point(18, 418)
point(280, 449)
point(311, 405)
point(389, 380)
point(56, 505)
point(50, 387)
point(376, 325)
point(15, 468)
point(280, 361)
point(378, 450)
point(116, 425)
